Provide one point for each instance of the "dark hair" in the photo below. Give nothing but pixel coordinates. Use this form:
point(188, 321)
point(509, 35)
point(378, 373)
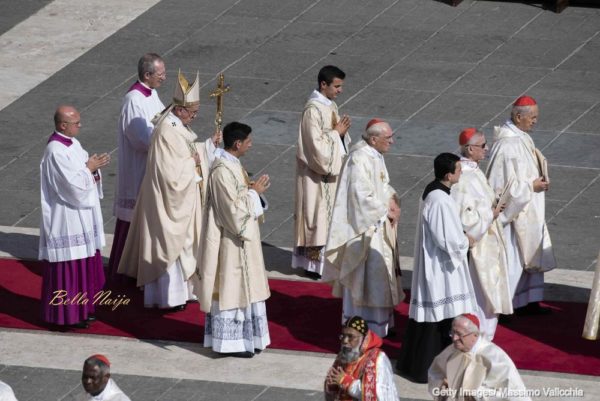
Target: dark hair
point(328, 74)
point(443, 164)
point(104, 368)
point(146, 64)
point(235, 131)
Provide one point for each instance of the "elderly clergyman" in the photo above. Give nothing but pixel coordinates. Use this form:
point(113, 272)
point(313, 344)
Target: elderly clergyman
point(479, 216)
point(516, 163)
point(164, 236)
point(474, 367)
point(361, 371)
point(97, 383)
point(362, 253)
point(134, 132)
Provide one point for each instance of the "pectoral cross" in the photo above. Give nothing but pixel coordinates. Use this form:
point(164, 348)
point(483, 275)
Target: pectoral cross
point(218, 94)
point(382, 176)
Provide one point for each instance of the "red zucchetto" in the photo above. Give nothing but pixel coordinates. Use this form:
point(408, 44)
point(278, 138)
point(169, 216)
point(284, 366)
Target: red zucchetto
point(472, 318)
point(101, 358)
point(373, 122)
point(525, 101)
point(466, 135)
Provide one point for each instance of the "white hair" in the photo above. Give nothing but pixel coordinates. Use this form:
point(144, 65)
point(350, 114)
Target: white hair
point(522, 110)
point(470, 326)
point(375, 130)
point(474, 138)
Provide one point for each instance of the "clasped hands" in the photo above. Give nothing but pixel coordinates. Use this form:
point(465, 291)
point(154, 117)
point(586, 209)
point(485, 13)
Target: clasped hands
point(262, 184)
point(96, 162)
point(343, 125)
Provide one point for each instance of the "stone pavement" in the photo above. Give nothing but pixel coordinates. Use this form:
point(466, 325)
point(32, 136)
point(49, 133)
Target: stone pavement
point(428, 68)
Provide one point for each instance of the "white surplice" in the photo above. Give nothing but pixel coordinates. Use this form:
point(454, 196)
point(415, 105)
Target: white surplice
point(441, 284)
point(488, 260)
point(361, 255)
point(72, 226)
point(513, 156)
point(133, 135)
point(486, 368)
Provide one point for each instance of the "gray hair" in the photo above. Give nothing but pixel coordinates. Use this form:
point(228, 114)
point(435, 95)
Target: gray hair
point(104, 368)
point(147, 64)
point(522, 110)
point(470, 326)
point(463, 148)
point(374, 130)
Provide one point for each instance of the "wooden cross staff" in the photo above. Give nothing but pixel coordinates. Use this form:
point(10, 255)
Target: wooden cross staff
point(218, 94)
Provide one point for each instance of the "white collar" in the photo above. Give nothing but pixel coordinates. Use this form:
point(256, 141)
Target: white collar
point(319, 97)
point(144, 85)
point(468, 163)
point(373, 151)
point(223, 154)
point(63, 135)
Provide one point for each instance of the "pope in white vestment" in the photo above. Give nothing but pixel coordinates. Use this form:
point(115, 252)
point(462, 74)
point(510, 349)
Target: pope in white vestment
point(441, 284)
point(72, 230)
point(322, 144)
point(362, 257)
point(487, 258)
point(134, 132)
point(515, 160)
point(474, 367)
point(231, 280)
point(164, 237)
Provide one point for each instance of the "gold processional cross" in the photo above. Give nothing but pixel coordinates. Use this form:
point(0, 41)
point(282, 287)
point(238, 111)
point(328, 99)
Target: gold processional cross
point(218, 94)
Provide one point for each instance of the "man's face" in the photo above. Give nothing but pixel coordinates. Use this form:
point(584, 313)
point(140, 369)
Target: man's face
point(526, 122)
point(332, 90)
point(155, 79)
point(92, 379)
point(245, 145)
point(71, 124)
point(187, 114)
point(454, 177)
point(351, 340)
point(383, 142)
point(478, 149)
point(462, 339)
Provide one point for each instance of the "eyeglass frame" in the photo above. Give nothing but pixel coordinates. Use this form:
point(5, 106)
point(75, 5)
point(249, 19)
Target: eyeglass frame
point(482, 146)
point(452, 333)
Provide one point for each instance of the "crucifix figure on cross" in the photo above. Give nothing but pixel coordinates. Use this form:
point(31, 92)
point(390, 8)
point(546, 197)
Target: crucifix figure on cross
point(218, 94)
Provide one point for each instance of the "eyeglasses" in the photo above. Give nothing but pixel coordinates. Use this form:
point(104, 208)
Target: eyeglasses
point(482, 146)
point(72, 122)
point(160, 75)
point(350, 337)
point(461, 336)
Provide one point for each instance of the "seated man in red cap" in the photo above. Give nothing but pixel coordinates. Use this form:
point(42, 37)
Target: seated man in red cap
point(97, 383)
point(474, 368)
point(361, 370)
point(361, 256)
point(479, 213)
point(518, 166)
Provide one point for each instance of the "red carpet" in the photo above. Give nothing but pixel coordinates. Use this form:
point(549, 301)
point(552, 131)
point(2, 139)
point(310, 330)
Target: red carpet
point(302, 316)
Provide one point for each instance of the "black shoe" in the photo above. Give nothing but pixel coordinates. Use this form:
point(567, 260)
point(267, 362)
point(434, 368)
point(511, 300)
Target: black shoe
point(532, 309)
point(504, 319)
point(257, 351)
point(178, 308)
point(91, 318)
point(313, 275)
point(246, 354)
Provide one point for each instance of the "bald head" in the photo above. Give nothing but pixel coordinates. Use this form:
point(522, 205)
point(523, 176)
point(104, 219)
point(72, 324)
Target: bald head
point(67, 120)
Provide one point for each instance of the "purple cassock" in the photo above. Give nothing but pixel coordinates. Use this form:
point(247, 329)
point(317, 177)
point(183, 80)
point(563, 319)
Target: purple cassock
point(69, 231)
